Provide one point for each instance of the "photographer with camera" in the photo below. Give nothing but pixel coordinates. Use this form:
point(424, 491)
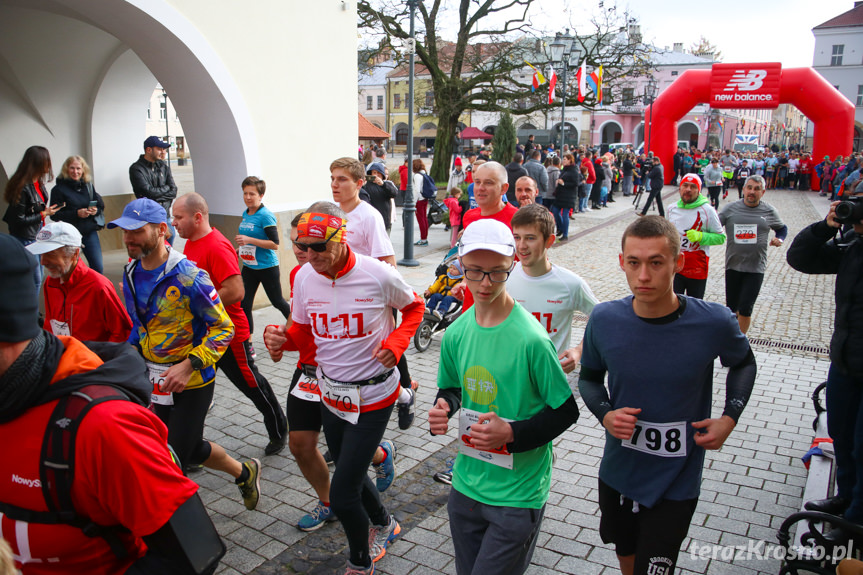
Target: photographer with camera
point(822, 249)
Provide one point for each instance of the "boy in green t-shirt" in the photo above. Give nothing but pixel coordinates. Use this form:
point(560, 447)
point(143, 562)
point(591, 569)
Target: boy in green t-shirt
point(499, 366)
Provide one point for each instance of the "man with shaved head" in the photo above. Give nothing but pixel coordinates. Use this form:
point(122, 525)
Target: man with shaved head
point(526, 191)
point(211, 251)
point(489, 186)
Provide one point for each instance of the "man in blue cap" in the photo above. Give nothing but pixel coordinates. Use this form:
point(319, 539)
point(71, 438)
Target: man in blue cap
point(151, 177)
point(181, 329)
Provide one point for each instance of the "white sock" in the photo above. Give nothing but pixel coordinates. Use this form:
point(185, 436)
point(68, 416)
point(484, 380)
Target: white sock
point(404, 395)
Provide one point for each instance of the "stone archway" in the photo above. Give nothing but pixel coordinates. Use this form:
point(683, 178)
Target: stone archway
point(689, 132)
point(611, 132)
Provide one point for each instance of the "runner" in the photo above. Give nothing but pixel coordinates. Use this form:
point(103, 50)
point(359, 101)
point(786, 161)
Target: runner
point(367, 235)
point(748, 222)
point(181, 329)
point(699, 229)
point(342, 306)
point(500, 368)
point(657, 412)
point(211, 251)
point(549, 292)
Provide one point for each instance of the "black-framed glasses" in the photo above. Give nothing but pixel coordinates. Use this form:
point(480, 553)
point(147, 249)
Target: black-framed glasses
point(319, 247)
point(497, 276)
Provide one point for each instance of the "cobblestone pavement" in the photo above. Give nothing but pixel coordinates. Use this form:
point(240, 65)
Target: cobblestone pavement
point(749, 486)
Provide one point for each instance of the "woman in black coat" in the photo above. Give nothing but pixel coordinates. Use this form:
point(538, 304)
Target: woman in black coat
point(82, 206)
point(565, 195)
point(27, 197)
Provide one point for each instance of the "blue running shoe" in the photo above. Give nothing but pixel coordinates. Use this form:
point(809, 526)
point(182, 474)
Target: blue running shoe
point(386, 469)
point(316, 519)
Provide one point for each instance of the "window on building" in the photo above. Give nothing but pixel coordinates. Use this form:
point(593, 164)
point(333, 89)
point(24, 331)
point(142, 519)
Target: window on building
point(148, 112)
point(397, 100)
point(859, 102)
point(380, 102)
point(368, 102)
point(163, 110)
point(674, 72)
point(836, 57)
point(627, 96)
point(429, 98)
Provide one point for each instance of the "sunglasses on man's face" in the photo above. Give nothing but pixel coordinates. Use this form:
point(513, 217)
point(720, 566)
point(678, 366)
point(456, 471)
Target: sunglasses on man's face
point(319, 247)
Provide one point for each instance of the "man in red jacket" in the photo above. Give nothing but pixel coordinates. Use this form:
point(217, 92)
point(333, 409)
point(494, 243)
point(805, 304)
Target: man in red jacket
point(79, 301)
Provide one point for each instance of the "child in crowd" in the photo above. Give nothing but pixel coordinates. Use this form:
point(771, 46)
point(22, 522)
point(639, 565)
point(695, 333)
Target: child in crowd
point(440, 301)
point(454, 207)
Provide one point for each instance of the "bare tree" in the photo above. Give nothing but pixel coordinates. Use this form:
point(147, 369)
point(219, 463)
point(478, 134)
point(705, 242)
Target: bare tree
point(705, 49)
point(481, 68)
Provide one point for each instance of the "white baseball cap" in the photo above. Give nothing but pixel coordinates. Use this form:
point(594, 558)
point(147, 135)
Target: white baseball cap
point(55, 235)
point(489, 235)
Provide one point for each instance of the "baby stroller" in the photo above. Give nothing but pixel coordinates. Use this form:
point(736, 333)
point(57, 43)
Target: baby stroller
point(438, 212)
point(432, 323)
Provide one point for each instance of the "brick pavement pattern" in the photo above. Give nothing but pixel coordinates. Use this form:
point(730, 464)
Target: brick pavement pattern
point(749, 486)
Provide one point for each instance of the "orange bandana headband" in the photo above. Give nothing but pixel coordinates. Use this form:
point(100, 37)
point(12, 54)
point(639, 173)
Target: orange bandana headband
point(322, 227)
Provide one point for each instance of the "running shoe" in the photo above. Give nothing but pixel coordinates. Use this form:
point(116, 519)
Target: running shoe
point(386, 469)
point(381, 536)
point(250, 489)
point(351, 569)
point(445, 477)
point(407, 408)
point(421, 243)
point(320, 514)
point(274, 446)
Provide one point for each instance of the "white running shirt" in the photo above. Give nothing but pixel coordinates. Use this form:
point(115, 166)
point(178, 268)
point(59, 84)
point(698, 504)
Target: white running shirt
point(552, 298)
point(367, 234)
point(349, 317)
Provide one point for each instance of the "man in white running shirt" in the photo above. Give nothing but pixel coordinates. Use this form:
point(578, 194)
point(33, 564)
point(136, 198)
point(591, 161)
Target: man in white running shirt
point(549, 292)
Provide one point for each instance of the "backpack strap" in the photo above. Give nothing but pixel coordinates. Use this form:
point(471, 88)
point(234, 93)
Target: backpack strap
point(57, 467)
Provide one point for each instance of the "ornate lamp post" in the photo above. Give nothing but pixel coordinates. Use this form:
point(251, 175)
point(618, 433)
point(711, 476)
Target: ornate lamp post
point(649, 97)
point(410, 205)
point(564, 53)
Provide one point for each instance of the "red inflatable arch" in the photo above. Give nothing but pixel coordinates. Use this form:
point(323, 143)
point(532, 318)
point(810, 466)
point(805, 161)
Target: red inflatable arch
point(764, 85)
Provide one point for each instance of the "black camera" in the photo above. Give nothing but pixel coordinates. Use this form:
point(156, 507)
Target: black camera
point(850, 211)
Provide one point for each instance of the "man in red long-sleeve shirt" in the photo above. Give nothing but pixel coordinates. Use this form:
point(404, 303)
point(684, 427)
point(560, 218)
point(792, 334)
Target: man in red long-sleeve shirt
point(342, 306)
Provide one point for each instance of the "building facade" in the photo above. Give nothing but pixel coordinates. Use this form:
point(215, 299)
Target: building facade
point(839, 58)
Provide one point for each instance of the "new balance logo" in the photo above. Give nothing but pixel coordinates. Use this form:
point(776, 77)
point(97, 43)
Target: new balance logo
point(746, 82)
point(26, 482)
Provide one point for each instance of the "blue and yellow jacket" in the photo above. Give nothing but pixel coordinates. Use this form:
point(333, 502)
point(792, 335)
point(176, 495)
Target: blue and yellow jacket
point(184, 317)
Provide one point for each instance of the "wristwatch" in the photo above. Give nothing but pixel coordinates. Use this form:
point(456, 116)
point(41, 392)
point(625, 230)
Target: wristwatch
point(196, 362)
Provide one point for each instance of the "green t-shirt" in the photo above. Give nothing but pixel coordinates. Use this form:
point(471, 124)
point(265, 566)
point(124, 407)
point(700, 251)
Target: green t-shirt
point(511, 369)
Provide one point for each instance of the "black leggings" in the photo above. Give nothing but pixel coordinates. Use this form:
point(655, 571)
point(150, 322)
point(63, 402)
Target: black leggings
point(713, 192)
point(238, 365)
point(688, 286)
point(353, 497)
point(185, 423)
point(252, 278)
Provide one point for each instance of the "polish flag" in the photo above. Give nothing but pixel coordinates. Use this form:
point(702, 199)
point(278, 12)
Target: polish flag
point(581, 76)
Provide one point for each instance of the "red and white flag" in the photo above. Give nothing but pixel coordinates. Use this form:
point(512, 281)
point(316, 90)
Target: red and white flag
point(552, 82)
point(581, 76)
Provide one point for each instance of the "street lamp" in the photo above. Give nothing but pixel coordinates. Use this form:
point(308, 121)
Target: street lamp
point(564, 53)
point(410, 204)
point(649, 97)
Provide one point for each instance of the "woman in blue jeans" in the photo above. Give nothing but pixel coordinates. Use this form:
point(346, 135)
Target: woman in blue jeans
point(82, 206)
point(565, 195)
